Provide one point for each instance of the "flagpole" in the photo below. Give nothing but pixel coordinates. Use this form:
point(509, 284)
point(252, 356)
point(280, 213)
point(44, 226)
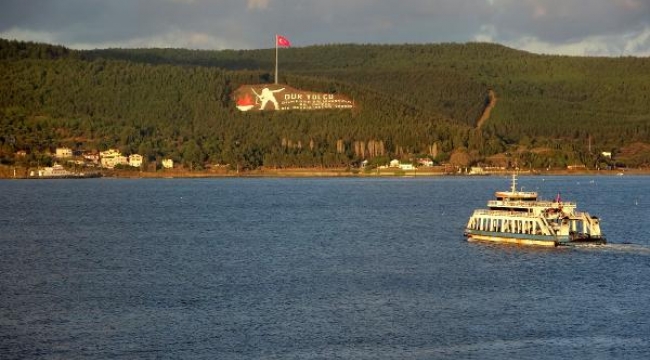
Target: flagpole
point(276, 59)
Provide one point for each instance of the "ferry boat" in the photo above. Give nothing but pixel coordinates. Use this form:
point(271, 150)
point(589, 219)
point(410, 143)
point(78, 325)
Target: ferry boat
point(519, 217)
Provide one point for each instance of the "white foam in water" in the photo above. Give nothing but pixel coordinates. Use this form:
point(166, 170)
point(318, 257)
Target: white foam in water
point(623, 247)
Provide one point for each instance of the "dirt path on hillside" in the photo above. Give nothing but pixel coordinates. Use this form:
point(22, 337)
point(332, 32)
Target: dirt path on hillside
point(488, 109)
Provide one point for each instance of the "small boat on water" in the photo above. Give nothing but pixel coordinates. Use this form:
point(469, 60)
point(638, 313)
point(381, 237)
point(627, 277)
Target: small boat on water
point(519, 217)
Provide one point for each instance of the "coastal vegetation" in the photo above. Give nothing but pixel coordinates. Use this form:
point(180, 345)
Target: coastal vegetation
point(413, 101)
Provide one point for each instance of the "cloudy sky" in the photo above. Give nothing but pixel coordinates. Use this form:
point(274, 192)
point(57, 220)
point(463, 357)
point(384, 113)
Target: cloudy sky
point(572, 27)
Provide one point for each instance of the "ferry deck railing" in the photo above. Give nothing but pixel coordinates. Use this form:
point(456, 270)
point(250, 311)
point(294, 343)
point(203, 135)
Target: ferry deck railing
point(547, 204)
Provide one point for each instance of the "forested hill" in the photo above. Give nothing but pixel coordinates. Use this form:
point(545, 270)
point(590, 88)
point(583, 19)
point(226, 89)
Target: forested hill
point(413, 100)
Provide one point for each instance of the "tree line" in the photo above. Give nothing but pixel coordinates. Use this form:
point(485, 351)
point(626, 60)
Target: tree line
point(176, 103)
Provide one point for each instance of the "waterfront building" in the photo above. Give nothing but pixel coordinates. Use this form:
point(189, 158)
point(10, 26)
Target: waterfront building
point(63, 153)
point(168, 163)
point(111, 157)
point(135, 160)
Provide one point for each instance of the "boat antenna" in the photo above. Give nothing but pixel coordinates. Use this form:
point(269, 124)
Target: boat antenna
point(513, 189)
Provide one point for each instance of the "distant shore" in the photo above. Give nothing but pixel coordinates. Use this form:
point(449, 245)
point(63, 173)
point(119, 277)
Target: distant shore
point(7, 172)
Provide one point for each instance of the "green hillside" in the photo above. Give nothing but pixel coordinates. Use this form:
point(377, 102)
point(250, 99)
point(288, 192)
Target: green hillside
point(413, 100)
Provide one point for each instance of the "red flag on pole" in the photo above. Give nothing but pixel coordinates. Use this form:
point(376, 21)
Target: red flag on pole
point(282, 41)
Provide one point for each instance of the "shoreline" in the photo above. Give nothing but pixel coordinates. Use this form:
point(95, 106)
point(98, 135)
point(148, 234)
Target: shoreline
point(8, 173)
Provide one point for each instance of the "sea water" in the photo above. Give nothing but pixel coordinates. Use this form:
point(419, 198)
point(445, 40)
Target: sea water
point(354, 268)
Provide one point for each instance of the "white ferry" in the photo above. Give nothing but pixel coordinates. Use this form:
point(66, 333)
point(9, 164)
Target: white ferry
point(518, 217)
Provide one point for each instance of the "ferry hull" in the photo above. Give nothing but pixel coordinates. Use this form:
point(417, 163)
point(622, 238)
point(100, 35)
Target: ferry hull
point(529, 240)
point(516, 239)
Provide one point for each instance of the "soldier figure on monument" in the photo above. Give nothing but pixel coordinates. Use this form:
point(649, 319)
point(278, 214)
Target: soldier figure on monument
point(266, 96)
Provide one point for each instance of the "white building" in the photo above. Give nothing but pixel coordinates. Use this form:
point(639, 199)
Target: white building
point(55, 171)
point(111, 157)
point(168, 163)
point(135, 160)
point(476, 170)
point(63, 153)
point(92, 157)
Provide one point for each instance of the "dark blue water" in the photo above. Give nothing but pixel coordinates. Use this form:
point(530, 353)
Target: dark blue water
point(313, 269)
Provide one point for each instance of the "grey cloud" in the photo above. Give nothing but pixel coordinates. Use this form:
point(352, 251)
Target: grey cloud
point(252, 23)
point(562, 21)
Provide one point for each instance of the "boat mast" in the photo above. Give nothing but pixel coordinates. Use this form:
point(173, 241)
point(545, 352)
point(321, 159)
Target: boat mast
point(513, 189)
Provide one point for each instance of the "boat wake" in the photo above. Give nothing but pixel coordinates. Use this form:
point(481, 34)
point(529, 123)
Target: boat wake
point(623, 247)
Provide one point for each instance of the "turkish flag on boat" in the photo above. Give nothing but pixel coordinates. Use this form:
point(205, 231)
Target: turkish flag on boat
point(282, 41)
